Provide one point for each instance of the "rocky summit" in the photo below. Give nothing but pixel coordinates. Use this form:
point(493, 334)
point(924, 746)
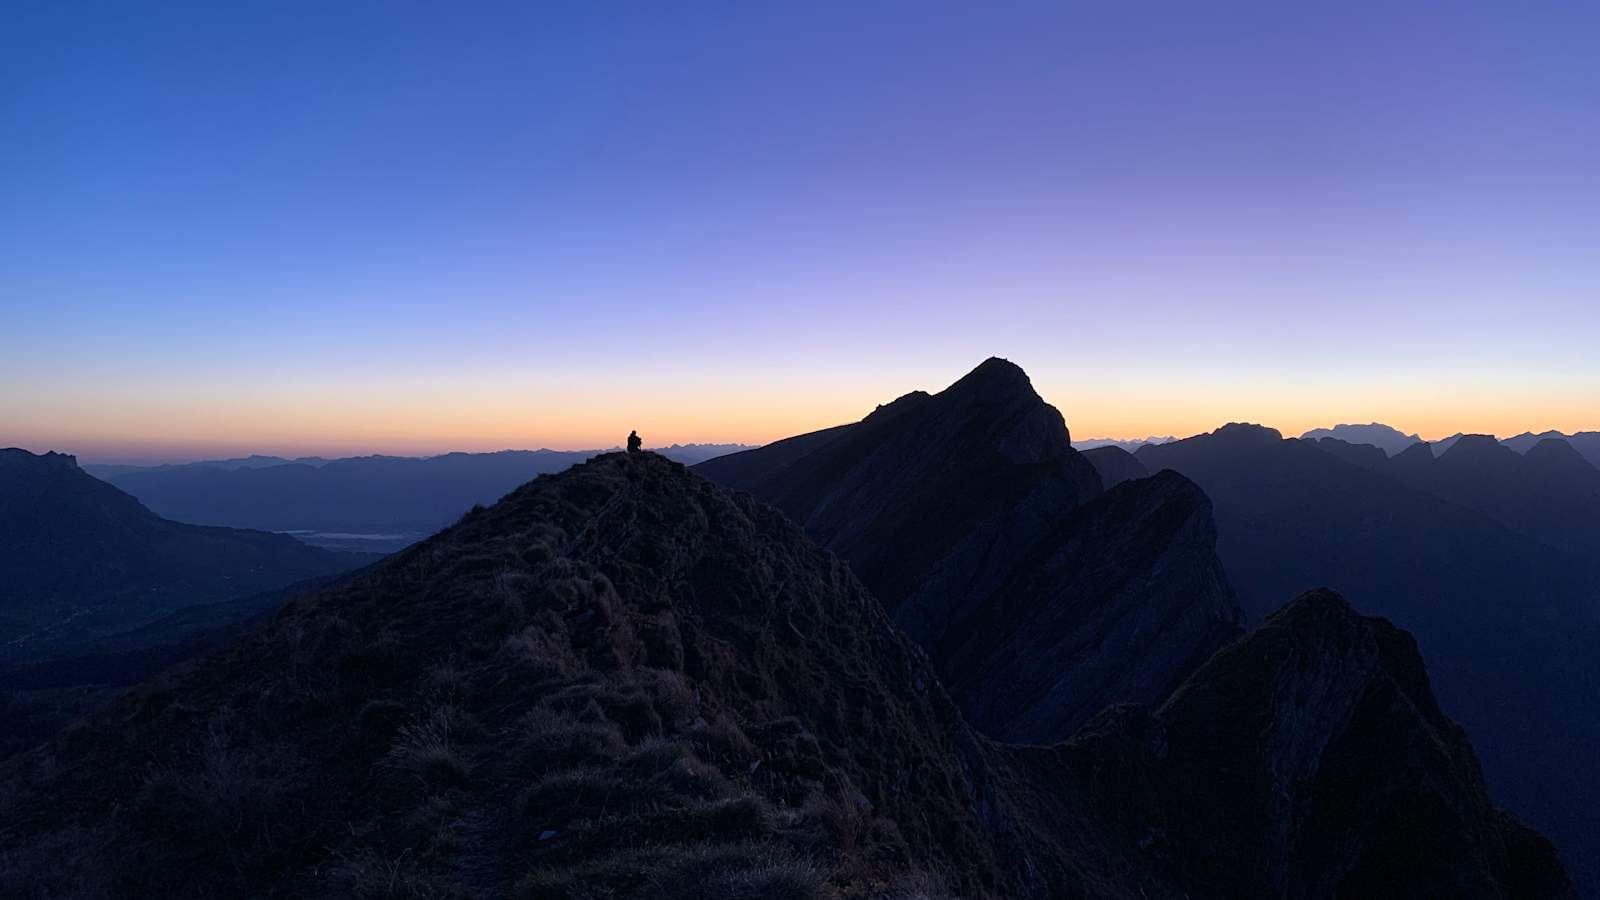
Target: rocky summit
point(996, 546)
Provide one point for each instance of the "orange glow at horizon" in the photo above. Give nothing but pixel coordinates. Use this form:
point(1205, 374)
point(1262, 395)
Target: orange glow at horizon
point(426, 419)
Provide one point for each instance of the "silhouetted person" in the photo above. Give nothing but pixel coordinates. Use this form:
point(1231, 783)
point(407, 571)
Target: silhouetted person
point(633, 442)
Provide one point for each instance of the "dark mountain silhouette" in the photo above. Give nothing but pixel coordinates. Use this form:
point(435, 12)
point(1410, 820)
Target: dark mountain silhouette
point(1507, 622)
point(81, 561)
point(1549, 492)
point(1587, 443)
point(1115, 465)
point(1387, 438)
point(1365, 455)
point(993, 544)
point(624, 680)
point(379, 503)
point(1312, 760)
point(108, 471)
point(1524, 442)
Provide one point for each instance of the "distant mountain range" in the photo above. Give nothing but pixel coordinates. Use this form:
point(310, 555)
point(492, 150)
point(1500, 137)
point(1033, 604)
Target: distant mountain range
point(1490, 557)
point(1392, 441)
point(1130, 445)
point(626, 681)
point(373, 503)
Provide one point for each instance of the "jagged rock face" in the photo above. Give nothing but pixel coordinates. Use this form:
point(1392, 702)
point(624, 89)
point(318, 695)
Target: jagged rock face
point(965, 513)
point(1038, 659)
point(1311, 760)
point(931, 498)
point(1115, 465)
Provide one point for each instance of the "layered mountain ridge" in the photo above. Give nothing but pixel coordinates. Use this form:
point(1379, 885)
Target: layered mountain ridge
point(1509, 622)
point(995, 545)
point(624, 680)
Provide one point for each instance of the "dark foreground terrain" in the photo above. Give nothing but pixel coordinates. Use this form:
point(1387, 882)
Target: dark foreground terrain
point(626, 681)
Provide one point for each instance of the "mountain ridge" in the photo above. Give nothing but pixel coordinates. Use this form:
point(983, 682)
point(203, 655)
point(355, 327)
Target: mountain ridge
point(609, 681)
point(995, 545)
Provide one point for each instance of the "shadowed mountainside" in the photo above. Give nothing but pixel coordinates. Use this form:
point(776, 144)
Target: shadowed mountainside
point(1550, 492)
point(626, 681)
point(1508, 624)
point(1115, 465)
point(1312, 760)
point(81, 560)
point(993, 543)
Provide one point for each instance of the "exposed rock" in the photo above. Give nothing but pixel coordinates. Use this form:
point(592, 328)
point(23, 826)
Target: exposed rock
point(1311, 759)
point(964, 512)
point(1118, 604)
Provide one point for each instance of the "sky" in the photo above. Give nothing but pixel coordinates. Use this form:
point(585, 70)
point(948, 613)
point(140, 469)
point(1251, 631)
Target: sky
point(389, 227)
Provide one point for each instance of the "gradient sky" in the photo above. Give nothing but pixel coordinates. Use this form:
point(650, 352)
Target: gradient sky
point(345, 228)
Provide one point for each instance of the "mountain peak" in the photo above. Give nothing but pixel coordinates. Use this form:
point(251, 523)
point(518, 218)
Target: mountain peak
point(1387, 438)
point(1475, 447)
point(1247, 432)
point(996, 377)
point(17, 456)
point(1556, 452)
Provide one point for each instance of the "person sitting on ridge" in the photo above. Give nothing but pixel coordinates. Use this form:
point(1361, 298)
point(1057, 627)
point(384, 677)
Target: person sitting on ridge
point(633, 442)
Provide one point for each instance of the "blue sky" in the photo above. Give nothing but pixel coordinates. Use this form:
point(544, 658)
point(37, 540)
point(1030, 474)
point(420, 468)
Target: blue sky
point(357, 227)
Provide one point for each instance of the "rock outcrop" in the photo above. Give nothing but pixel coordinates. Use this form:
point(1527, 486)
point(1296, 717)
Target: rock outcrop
point(987, 538)
point(1311, 760)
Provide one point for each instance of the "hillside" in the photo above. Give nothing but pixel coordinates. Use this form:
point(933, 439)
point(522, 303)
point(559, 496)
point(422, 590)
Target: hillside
point(81, 560)
point(626, 681)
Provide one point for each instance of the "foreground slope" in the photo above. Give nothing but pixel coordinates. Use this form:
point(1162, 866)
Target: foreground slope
point(80, 560)
point(994, 544)
point(624, 681)
point(618, 679)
